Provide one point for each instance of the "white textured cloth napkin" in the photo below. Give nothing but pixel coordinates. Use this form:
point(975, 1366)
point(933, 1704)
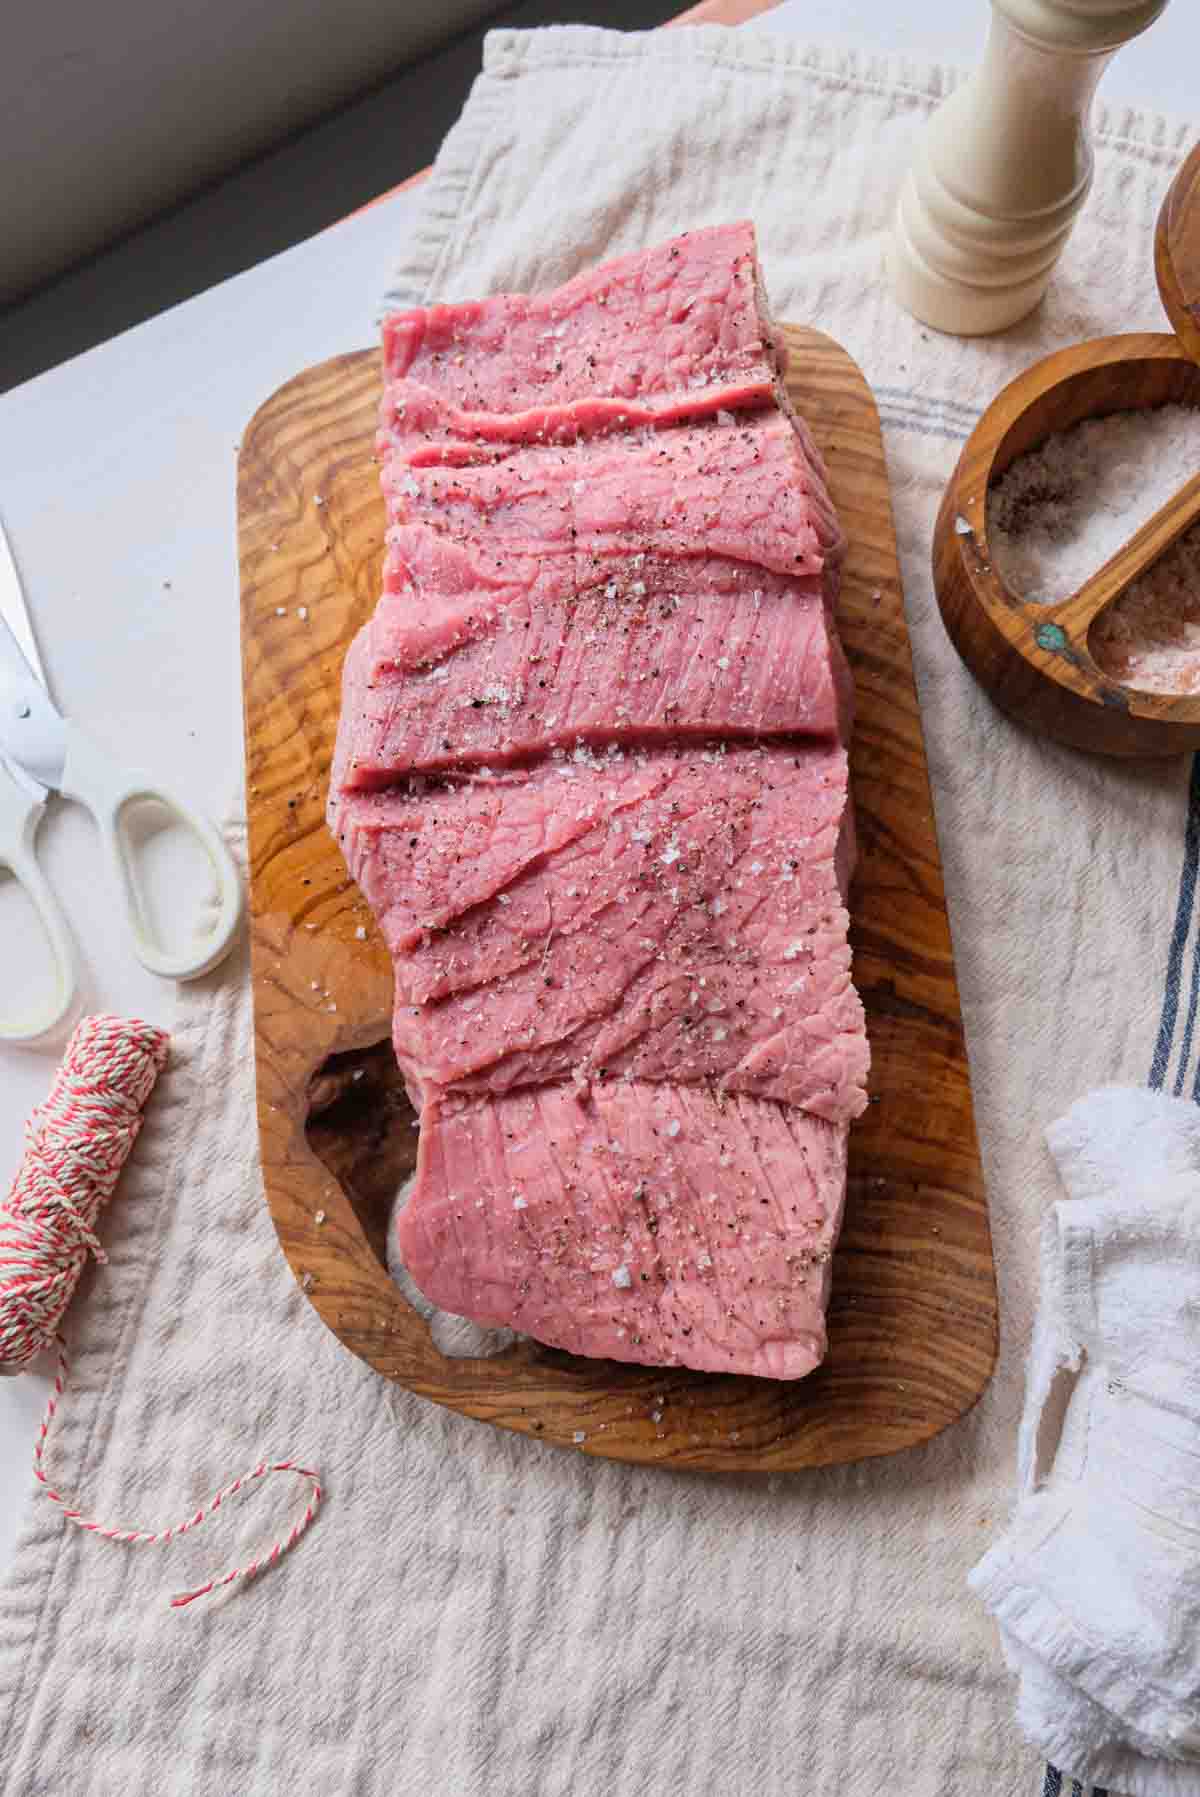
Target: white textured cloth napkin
point(474, 1612)
point(1096, 1581)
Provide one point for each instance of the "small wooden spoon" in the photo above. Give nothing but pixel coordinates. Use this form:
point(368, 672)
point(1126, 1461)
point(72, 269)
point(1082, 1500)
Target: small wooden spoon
point(1033, 658)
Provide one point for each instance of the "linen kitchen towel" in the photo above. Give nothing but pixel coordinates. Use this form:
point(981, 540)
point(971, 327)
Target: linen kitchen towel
point(474, 1612)
point(1096, 1582)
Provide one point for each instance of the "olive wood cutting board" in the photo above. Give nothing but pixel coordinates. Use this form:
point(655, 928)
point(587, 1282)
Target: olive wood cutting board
point(912, 1321)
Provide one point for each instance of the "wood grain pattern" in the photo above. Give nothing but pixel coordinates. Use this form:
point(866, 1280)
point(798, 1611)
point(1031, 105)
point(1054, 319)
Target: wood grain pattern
point(1035, 659)
point(1177, 254)
point(913, 1318)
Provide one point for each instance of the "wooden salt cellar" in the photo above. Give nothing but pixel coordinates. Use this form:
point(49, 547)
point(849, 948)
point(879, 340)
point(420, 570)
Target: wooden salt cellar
point(1035, 659)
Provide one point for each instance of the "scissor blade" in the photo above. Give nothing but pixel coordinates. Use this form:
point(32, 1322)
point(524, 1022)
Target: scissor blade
point(25, 780)
point(15, 613)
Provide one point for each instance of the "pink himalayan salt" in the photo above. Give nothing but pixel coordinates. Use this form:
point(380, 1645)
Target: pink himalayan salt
point(1149, 638)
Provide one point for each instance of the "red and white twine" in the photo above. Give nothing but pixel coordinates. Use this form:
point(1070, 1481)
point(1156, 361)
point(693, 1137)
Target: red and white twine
point(75, 1146)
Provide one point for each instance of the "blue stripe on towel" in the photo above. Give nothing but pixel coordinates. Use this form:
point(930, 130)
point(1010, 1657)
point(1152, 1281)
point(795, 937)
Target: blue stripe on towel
point(1189, 1023)
point(1179, 935)
point(908, 418)
point(1052, 1786)
point(928, 401)
point(903, 410)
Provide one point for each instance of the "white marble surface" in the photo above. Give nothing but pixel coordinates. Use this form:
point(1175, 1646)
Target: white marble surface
point(117, 478)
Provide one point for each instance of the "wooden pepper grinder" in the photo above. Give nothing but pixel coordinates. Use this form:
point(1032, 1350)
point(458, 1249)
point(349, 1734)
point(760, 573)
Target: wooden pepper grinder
point(1006, 165)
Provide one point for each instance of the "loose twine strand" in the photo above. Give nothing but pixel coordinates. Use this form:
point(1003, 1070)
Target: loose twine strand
point(75, 1146)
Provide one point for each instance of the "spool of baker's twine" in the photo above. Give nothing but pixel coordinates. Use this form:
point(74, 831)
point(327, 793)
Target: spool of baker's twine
point(75, 1146)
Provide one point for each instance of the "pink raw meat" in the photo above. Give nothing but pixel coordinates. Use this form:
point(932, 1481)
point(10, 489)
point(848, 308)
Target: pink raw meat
point(668, 916)
point(744, 488)
point(460, 667)
point(591, 776)
point(659, 327)
point(668, 1225)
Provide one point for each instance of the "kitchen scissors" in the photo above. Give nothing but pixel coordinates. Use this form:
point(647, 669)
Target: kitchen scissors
point(42, 753)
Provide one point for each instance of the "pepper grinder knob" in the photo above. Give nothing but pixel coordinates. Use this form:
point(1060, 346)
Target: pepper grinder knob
point(1005, 165)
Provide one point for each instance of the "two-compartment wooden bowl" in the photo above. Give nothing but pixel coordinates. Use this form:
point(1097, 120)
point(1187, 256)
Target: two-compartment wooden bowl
point(1035, 659)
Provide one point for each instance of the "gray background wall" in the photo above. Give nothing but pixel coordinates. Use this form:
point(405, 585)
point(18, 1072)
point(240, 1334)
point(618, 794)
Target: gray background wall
point(209, 190)
point(109, 109)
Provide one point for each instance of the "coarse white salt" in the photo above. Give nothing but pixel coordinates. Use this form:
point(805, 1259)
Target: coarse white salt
point(520, 1203)
point(622, 1278)
point(361, 932)
point(1061, 510)
point(302, 613)
point(579, 1436)
point(1149, 637)
point(673, 1127)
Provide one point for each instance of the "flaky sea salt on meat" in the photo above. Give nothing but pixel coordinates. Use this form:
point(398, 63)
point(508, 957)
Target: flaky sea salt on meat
point(593, 835)
point(658, 328)
point(460, 664)
point(650, 947)
point(707, 1247)
point(750, 493)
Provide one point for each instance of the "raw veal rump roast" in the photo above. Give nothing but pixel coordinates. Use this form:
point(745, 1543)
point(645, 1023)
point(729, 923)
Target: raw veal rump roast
point(591, 777)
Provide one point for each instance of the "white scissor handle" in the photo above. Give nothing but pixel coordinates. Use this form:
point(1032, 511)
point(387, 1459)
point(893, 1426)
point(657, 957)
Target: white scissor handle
point(107, 789)
point(20, 814)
